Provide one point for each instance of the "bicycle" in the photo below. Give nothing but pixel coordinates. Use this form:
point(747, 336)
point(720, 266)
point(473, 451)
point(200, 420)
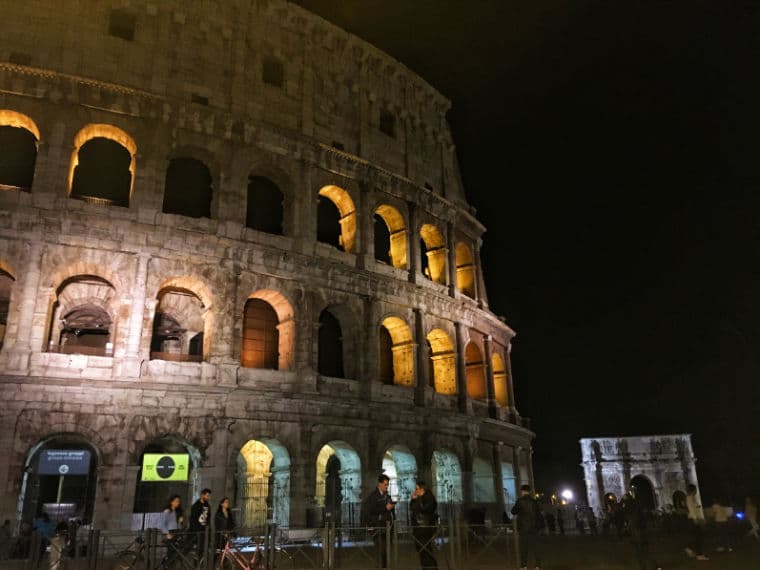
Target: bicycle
point(232, 557)
point(180, 555)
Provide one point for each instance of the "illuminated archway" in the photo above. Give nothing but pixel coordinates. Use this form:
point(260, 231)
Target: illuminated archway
point(501, 389)
point(443, 362)
point(263, 483)
point(465, 270)
point(115, 187)
point(399, 353)
point(83, 317)
point(19, 137)
point(269, 341)
point(400, 466)
point(509, 485)
point(179, 326)
point(395, 247)
point(482, 482)
point(347, 216)
point(475, 372)
point(433, 254)
point(338, 485)
point(447, 480)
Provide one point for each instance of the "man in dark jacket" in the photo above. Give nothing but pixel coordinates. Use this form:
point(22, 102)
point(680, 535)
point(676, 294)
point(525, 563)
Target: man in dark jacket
point(199, 519)
point(529, 522)
point(424, 507)
point(379, 511)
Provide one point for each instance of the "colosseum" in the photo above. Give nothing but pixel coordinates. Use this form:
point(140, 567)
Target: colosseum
point(235, 236)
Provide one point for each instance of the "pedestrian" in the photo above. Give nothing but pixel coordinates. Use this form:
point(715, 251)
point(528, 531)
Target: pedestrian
point(720, 514)
point(551, 525)
point(199, 519)
point(696, 524)
point(6, 539)
point(424, 507)
point(379, 513)
point(529, 523)
point(618, 518)
point(224, 523)
point(637, 519)
point(750, 513)
point(170, 524)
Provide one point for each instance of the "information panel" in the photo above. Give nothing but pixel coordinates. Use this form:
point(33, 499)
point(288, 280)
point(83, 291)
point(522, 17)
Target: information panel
point(165, 467)
point(64, 462)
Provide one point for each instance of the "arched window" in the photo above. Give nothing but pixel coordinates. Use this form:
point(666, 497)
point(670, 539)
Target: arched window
point(400, 466)
point(18, 150)
point(103, 165)
point(442, 362)
point(396, 352)
point(433, 252)
point(178, 326)
point(476, 377)
point(339, 483)
point(501, 389)
point(390, 236)
point(264, 206)
point(82, 320)
point(261, 337)
point(6, 283)
point(338, 230)
point(330, 358)
point(446, 473)
point(188, 189)
point(465, 270)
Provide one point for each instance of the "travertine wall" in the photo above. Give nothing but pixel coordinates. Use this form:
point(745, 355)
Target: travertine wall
point(64, 72)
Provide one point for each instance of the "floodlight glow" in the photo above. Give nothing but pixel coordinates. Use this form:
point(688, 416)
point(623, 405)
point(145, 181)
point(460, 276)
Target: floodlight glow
point(567, 494)
point(740, 516)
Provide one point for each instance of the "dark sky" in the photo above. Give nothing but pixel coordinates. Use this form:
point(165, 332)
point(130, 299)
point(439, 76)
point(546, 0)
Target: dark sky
point(611, 151)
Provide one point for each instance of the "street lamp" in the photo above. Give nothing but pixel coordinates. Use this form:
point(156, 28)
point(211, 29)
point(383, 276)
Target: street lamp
point(567, 494)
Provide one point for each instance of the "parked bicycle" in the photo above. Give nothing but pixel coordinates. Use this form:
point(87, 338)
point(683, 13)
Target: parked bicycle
point(180, 554)
point(233, 557)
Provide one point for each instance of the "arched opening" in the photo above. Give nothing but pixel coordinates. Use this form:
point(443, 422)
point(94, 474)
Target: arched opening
point(465, 270)
point(339, 480)
point(263, 484)
point(6, 284)
point(167, 468)
point(396, 355)
point(501, 390)
point(442, 362)
point(483, 482)
point(433, 251)
point(475, 372)
point(330, 358)
point(178, 326)
point(264, 207)
point(60, 479)
point(447, 480)
point(188, 189)
point(400, 466)
point(103, 165)
point(643, 490)
point(390, 236)
point(261, 338)
point(19, 137)
point(509, 485)
point(82, 320)
point(337, 230)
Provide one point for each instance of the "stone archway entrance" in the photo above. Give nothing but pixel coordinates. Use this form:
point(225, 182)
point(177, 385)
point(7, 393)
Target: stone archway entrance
point(339, 483)
point(263, 483)
point(60, 479)
point(644, 491)
point(447, 481)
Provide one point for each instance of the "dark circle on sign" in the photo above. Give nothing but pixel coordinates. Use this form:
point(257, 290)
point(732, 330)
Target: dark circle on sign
point(165, 467)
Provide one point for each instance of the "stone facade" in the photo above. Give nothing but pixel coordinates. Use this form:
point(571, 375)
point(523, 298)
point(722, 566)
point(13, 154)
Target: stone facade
point(660, 467)
point(131, 329)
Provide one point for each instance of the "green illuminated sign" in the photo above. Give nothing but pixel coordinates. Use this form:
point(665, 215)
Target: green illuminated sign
point(165, 467)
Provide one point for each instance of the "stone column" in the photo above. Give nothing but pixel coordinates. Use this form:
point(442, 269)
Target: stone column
point(462, 398)
point(516, 467)
point(467, 478)
point(413, 259)
point(498, 476)
point(493, 407)
point(137, 311)
point(30, 284)
point(364, 246)
point(529, 459)
point(451, 259)
point(511, 385)
point(480, 285)
point(420, 359)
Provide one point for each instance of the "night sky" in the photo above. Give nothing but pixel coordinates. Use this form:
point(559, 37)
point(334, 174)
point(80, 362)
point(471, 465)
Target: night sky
point(610, 149)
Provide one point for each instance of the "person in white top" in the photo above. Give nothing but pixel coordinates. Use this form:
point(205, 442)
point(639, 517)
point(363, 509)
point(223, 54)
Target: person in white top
point(696, 523)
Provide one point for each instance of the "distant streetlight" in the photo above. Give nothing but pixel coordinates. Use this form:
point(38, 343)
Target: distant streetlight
point(567, 494)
